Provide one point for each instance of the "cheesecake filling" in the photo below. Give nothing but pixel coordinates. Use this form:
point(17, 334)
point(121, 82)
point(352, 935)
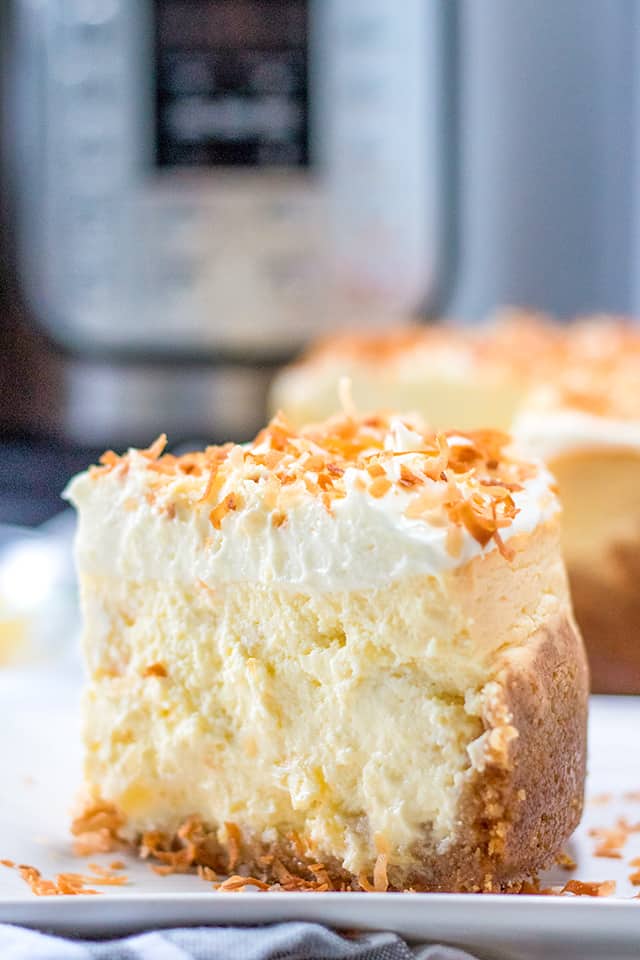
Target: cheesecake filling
point(353, 720)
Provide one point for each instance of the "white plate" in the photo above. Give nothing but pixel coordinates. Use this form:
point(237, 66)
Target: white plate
point(39, 764)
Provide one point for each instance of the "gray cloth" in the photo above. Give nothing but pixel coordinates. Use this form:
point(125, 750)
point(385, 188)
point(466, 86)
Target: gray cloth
point(282, 941)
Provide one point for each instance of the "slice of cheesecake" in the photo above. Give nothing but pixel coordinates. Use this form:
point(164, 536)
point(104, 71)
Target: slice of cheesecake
point(586, 425)
point(339, 657)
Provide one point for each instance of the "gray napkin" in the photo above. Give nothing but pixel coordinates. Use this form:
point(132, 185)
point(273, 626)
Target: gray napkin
point(282, 941)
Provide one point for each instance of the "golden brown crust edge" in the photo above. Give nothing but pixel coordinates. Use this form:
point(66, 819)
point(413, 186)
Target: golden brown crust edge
point(528, 800)
point(515, 815)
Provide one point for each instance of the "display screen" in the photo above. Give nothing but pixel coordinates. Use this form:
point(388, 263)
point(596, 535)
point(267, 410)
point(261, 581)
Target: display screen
point(231, 82)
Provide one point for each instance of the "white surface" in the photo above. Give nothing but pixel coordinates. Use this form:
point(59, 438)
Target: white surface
point(39, 759)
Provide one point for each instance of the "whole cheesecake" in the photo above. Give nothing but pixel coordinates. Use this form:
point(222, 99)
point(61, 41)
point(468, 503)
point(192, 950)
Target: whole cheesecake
point(342, 657)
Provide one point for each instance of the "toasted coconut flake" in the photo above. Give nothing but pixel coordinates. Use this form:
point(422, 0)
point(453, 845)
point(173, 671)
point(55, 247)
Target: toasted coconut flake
point(65, 884)
point(471, 514)
point(231, 502)
point(363, 880)
point(296, 841)
point(109, 458)
point(155, 670)
point(579, 888)
point(234, 843)
point(180, 854)
point(314, 463)
point(380, 880)
point(109, 881)
point(321, 874)
point(278, 518)
point(438, 462)
point(566, 861)
point(153, 452)
point(507, 552)
point(97, 841)
point(408, 478)
point(96, 828)
point(208, 487)
point(236, 883)
point(379, 487)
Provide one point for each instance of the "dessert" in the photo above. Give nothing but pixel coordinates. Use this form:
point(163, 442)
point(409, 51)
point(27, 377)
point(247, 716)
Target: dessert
point(343, 654)
point(455, 376)
point(586, 425)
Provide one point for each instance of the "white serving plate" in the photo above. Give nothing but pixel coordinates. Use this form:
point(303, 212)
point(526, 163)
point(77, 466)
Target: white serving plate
point(39, 771)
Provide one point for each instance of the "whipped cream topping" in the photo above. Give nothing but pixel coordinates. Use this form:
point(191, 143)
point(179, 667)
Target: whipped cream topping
point(383, 519)
point(550, 433)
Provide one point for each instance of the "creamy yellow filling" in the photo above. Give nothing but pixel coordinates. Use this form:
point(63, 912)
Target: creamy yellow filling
point(342, 716)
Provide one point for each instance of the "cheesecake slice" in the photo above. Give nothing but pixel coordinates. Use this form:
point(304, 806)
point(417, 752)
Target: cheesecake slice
point(586, 425)
point(340, 657)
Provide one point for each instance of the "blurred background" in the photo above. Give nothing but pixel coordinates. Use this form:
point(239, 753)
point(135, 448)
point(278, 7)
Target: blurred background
point(191, 190)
